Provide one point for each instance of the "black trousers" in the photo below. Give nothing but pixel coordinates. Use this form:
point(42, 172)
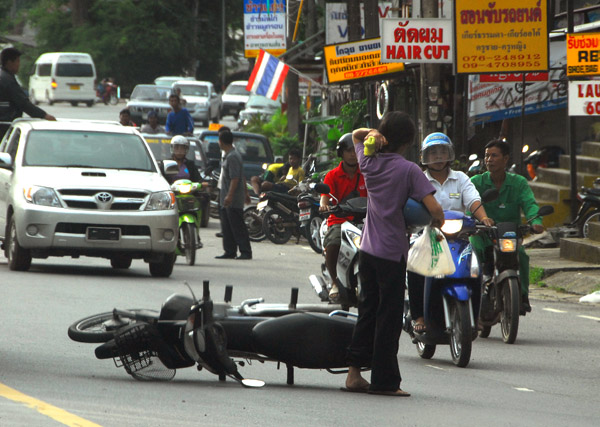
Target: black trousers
point(377, 331)
point(235, 233)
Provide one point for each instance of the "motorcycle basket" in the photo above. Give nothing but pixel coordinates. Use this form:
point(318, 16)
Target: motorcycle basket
point(187, 204)
point(139, 346)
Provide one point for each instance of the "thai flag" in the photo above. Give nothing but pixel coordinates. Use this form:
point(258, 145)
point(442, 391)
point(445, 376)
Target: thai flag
point(267, 76)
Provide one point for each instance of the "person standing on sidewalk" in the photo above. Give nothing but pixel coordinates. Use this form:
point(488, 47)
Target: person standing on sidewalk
point(232, 197)
point(390, 180)
point(13, 102)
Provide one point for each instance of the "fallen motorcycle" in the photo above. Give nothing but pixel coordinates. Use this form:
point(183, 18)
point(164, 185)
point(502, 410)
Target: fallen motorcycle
point(219, 337)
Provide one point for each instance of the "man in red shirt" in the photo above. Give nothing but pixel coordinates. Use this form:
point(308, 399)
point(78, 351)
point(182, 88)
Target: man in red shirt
point(345, 182)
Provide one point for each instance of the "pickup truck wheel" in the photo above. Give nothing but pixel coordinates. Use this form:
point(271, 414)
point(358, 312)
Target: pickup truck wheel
point(19, 259)
point(163, 268)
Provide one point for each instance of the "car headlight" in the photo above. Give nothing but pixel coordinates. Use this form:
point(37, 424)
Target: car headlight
point(452, 226)
point(161, 201)
point(43, 196)
point(508, 245)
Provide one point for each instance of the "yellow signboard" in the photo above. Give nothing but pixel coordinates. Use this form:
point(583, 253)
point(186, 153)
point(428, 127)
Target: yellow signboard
point(583, 54)
point(356, 60)
point(501, 36)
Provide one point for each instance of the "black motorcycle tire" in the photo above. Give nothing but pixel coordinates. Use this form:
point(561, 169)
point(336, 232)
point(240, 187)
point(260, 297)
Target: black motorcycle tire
point(511, 307)
point(584, 223)
point(273, 228)
point(253, 221)
point(461, 338)
point(189, 233)
point(485, 332)
point(92, 329)
point(311, 232)
point(426, 351)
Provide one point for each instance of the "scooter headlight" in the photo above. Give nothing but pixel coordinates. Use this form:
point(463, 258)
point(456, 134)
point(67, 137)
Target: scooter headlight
point(452, 226)
point(184, 188)
point(508, 245)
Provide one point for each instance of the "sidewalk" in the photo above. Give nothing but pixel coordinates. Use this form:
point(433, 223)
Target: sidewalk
point(565, 280)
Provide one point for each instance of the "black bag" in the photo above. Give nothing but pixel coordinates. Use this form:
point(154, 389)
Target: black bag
point(354, 193)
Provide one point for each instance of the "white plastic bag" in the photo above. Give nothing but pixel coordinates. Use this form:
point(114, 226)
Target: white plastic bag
point(429, 256)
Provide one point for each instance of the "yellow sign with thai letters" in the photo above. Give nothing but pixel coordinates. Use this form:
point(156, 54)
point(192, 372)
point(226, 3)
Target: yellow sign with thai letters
point(583, 54)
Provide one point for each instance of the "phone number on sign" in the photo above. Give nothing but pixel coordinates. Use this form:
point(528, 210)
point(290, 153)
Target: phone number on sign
point(504, 61)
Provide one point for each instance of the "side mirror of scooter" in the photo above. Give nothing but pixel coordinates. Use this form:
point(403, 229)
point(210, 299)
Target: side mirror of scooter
point(546, 210)
point(322, 188)
point(490, 195)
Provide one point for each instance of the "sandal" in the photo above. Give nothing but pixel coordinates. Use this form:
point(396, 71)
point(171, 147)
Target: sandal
point(419, 328)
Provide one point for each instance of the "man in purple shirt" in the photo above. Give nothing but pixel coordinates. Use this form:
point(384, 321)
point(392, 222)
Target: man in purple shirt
point(390, 180)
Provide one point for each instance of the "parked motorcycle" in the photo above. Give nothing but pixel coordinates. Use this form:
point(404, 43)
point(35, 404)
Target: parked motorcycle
point(589, 210)
point(545, 157)
point(219, 336)
point(281, 216)
point(189, 204)
point(501, 296)
point(309, 216)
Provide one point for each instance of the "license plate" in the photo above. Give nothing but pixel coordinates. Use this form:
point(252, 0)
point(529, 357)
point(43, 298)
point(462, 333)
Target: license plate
point(101, 233)
point(304, 214)
point(74, 87)
point(261, 205)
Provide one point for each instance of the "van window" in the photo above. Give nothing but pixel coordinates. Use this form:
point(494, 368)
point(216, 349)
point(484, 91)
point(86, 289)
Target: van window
point(44, 70)
point(74, 70)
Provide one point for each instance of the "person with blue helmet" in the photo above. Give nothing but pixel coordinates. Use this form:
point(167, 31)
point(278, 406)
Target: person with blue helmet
point(454, 191)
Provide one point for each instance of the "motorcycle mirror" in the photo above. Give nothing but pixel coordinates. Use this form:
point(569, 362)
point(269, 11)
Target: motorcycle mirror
point(472, 157)
point(546, 210)
point(247, 382)
point(322, 188)
point(489, 195)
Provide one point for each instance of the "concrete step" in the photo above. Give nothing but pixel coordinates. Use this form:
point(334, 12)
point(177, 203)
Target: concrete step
point(590, 148)
point(560, 216)
point(562, 177)
point(585, 164)
point(594, 231)
point(550, 192)
point(585, 250)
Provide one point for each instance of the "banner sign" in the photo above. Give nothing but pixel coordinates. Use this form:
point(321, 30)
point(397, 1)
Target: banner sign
point(493, 101)
point(506, 36)
point(264, 29)
point(356, 60)
point(583, 54)
point(584, 98)
point(417, 40)
point(513, 77)
point(336, 22)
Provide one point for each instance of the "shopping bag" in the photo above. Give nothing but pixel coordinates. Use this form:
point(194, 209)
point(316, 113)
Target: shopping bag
point(430, 255)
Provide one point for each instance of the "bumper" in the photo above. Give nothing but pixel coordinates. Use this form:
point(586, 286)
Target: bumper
point(200, 114)
point(232, 107)
point(49, 231)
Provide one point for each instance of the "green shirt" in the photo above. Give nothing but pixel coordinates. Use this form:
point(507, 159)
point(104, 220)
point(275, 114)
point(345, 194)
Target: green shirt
point(515, 195)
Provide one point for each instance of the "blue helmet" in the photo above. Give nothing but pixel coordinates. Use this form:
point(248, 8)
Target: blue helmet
point(416, 214)
point(436, 148)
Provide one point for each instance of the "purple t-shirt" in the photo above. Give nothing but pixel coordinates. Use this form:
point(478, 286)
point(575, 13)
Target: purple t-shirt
point(390, 181)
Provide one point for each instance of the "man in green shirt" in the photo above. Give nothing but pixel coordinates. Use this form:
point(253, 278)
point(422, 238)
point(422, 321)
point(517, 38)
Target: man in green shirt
point(515, 196)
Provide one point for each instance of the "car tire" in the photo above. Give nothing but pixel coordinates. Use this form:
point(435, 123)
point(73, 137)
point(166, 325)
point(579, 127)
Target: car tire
point(74, 103)
point(19, 258)
point(163, 268)
point(90, 103)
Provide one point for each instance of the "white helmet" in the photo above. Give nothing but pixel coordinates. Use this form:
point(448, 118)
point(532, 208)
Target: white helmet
point(180, 140)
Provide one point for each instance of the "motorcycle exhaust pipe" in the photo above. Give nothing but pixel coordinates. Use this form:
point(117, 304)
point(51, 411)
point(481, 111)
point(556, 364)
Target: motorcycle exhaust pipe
point(319, 286)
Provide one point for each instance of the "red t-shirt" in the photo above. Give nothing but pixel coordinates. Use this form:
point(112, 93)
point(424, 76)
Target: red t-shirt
point(341, 184)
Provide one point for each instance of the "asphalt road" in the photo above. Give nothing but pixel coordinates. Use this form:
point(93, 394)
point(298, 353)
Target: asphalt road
point(549, 377)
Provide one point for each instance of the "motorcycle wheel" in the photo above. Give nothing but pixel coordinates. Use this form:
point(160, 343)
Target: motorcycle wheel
point(460, 333)
point(426, 351)
point(189, 242)
point(584, 224)
point(274, 229)
point(511, 306)
point(485, 332)
point(100, 328)
point(254, 220)
point(312, 233)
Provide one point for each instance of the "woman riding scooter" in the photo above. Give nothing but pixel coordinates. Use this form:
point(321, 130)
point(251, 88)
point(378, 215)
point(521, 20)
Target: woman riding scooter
point(454, 191)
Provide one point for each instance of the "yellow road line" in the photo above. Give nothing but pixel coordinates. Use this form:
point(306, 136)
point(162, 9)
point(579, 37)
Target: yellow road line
point(554, 310)
point(44, 408)
point(589, 317)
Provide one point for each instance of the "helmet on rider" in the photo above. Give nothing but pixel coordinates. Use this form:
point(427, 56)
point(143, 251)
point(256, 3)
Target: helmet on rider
point(180, 140)
point(345, 143)
point(436, 148)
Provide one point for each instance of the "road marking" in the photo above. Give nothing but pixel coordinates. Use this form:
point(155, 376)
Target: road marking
point(436, 367)
point(523, 389)
point(589, 317)
point(306, 248)
point(44, 408)
point(554, 310)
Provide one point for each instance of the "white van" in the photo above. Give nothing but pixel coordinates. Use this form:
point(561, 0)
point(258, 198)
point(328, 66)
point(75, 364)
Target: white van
point(63, 77)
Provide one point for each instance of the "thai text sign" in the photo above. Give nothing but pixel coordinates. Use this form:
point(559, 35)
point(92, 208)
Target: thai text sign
point(336, 22)
point(264, 29)
point(584, 98)
point(501, 36)
point(417, 40)
point(356, 60)
point(583, 54)
point(513, 77)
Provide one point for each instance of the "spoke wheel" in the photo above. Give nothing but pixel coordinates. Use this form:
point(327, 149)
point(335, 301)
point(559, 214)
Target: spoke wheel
point(188, 238)
point(460, 333)
point(254, 220)
point(584, 227)
point(19, 259)
point(312, 233)
point(275, 229)
point(511, 306)
point(426, 351)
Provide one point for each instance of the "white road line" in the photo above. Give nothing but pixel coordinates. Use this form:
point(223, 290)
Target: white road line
point(554, 310)
point(589, 317)
point(523, 389)
point(306, 248)
point(436, 367)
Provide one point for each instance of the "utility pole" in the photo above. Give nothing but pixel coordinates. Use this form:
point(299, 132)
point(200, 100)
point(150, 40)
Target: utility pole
point(354, 34)
point(371, 31)
point(430, 82)
point(291, 81)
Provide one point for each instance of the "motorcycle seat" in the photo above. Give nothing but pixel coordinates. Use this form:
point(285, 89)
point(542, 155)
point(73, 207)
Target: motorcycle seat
point(592, 191)
point(281, 196)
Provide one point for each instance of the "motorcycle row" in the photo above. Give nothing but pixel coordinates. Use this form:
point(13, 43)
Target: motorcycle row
point(220, 337)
